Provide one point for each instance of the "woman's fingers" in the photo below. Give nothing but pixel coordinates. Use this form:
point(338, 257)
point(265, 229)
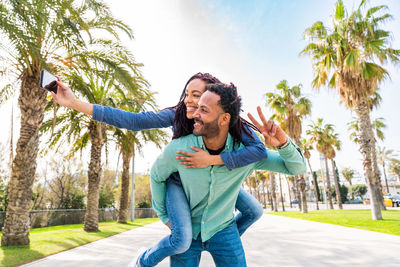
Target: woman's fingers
point(183, 158)
point(184, 153)
point(61, 85)
point(196, 149)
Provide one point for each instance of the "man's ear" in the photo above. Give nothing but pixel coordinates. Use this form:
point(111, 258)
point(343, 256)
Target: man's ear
point(225, 119)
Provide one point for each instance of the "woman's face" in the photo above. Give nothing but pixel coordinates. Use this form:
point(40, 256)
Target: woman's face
point(194, 90)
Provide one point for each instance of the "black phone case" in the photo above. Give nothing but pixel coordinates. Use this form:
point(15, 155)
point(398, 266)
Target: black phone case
point(50, 87)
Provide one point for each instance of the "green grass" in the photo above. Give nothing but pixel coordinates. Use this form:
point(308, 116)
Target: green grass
point(360, 219)
point(50, 240)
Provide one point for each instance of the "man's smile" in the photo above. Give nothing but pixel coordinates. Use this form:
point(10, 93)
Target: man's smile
point(198, 123)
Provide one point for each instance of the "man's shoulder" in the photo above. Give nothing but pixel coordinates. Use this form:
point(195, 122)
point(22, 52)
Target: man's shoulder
point(191, 138)
point(188, 140)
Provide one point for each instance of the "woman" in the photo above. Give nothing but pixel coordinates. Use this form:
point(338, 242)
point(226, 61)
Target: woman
point(181, 118)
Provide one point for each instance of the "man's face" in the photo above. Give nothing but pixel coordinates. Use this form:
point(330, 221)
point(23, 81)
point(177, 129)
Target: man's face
point(207, 115)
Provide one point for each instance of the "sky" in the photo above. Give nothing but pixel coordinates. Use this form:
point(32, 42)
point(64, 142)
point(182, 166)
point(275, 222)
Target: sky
point(254, 44)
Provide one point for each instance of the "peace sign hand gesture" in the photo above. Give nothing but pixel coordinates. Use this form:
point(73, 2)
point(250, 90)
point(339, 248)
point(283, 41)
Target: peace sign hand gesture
point(273, 134)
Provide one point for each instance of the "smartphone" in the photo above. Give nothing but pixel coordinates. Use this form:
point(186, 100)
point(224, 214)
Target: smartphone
point(48, 81)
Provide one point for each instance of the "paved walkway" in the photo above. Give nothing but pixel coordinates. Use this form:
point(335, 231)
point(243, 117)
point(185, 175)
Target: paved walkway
point(272, 241)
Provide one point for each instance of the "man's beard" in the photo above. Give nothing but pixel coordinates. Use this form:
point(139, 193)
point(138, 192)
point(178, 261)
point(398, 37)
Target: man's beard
point(210, 129)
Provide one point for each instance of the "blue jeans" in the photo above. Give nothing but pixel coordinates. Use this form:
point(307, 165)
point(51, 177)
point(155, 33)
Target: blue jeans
point(225, 247)
point(181, 227)
point(250, 210)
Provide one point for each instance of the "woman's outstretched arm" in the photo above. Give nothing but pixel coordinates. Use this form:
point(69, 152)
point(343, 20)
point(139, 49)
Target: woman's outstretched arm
point(112, 116)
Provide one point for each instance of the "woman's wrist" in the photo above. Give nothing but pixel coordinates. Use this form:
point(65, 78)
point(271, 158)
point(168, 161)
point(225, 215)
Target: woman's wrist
point(216, 160)
point(81, 106)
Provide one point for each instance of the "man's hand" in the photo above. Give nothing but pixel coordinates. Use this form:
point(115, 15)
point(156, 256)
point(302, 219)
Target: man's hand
point(198, 159)
point(272, 132)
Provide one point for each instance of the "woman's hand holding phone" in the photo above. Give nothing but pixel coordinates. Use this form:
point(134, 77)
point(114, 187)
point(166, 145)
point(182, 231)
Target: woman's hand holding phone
point(64, 96)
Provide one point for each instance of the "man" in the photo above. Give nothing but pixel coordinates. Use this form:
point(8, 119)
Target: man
point(212, 191)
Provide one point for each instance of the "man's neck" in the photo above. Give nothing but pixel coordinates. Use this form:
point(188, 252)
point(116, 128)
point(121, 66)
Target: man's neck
point(215, 143)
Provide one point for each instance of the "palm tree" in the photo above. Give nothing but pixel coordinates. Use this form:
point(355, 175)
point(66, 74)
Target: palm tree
point(290, 180)
point(334, 143)
point(272, 184)
point(290, 107)
point(383, 156)
point(262, 176)
point(129, 142)
point(348, 174)
point(247, 181)
point(394, 168)
point(377, 126)
point(319, 135)
point(256, 185)
point(344, 57)
point(280, 191)
point(307, 147)
point(104, 73)
point(37, 35)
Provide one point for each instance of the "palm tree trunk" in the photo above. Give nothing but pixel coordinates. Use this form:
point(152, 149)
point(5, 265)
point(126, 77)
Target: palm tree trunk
point(11, 138)
point(97, 134)
point(384, 174)
point(290, 197)
point(337, 189)
point(315, 185)
point(366, 142)
point(378, 182)
point(125, 181)
point(302, 186)
point(256, 189)
point(265, 200)
point(273, 193)
point(280, 189)
point(298, 196)
point(249, 181)
point(328, 184)
point(269, 197)
point(351, 189)
point(32, 102)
